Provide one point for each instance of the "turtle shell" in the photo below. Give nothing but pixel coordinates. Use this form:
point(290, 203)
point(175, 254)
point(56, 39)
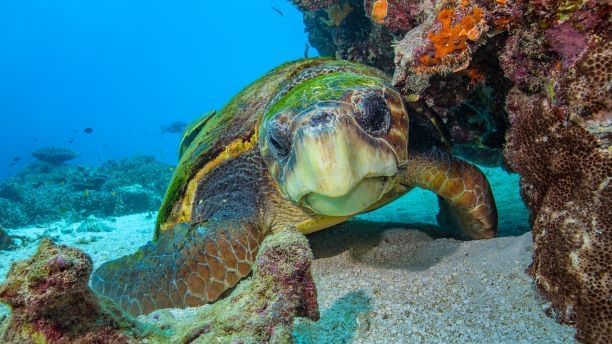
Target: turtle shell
point(221, 135)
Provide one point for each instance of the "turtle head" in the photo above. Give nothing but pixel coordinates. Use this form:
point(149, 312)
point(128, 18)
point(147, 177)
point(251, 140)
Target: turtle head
point(334, 142)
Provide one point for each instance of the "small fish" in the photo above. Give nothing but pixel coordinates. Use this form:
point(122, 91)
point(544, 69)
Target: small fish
point(174, 127)
point(88, 130)
point(277, 11)
point(306, 50)
point(14, 161)
point(71, 141)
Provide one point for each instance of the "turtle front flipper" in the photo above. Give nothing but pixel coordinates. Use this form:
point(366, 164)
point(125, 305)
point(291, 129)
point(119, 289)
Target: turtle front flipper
point(466, 200)
point(188, 265)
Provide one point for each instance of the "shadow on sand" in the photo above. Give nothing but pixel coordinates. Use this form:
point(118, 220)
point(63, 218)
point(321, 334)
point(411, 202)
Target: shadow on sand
point(338, 324)
point(384, 244)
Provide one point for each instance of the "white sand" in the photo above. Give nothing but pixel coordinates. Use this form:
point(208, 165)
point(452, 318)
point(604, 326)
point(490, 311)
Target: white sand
point(401, 286)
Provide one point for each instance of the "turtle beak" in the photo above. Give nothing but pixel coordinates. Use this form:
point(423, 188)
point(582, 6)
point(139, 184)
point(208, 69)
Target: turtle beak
point(335, 168)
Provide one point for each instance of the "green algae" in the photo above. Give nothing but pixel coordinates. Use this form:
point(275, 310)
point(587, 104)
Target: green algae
point(321, 88)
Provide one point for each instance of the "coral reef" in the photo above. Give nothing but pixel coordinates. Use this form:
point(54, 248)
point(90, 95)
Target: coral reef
point(11, 213)
point(136, 198)
point(51, 302)
point(43, 192)
point(526, 84)
point(54, 155)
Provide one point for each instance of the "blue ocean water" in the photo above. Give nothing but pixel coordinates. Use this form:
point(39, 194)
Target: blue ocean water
point(125, 68)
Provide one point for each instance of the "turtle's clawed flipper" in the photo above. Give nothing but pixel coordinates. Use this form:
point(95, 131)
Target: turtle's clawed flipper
point(466, 200)
point(187, 266)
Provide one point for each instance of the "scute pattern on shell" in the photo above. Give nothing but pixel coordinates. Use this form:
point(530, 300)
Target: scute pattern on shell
point(187, 266)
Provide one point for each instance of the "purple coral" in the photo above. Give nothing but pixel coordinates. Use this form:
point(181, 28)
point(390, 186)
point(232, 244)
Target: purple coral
point(567, 41)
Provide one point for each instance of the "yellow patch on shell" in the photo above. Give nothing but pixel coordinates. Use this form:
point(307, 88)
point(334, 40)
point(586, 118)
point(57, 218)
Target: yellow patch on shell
point(232, 150)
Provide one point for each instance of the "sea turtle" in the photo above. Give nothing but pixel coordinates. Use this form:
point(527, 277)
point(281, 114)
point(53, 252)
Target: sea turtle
point(309, 145)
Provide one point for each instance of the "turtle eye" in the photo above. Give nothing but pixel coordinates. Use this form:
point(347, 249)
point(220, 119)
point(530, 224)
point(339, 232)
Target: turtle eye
point(278, 138)
point(375, 117)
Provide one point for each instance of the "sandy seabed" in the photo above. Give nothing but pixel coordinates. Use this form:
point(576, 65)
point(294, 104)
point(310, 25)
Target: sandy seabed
point(387, 276)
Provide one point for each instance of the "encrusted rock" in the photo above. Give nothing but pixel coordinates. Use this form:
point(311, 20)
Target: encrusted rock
point(51, 302)
point(342, 30)
point(310, 5)
point(565, 181)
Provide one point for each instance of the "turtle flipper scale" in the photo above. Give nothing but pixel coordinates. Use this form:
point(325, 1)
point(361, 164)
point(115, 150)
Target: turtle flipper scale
point(466, 200)
point(187, 266)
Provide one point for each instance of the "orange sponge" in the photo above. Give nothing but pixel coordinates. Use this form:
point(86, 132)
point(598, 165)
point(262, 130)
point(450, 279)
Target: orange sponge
point(452, 37)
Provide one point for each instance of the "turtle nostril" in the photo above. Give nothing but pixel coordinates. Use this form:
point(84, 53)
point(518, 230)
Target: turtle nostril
point(322, 118)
